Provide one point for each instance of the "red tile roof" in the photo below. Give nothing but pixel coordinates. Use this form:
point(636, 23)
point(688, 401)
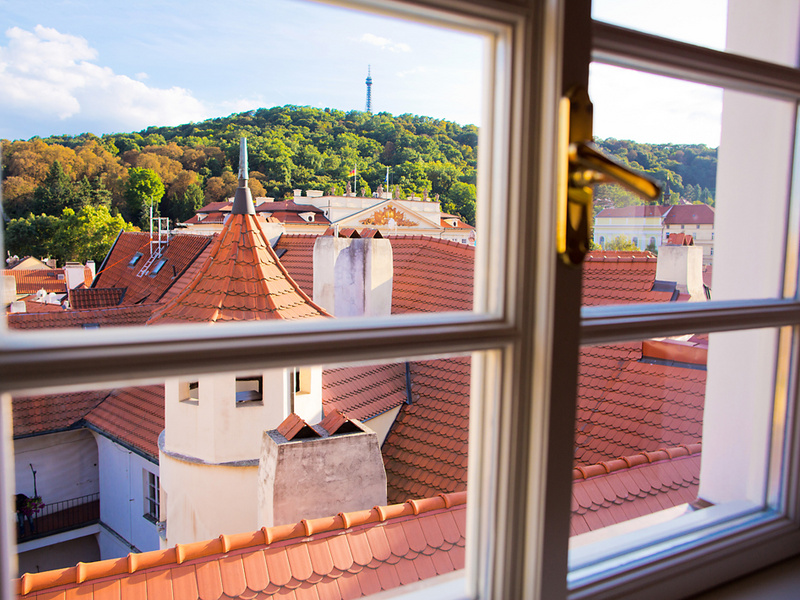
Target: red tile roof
point(95, 297)
point(626, 406)
point(132, 415)
point(298, 258)
point(183, 249)
point(431, 275)
point(33, 306)
point(52, 412)
point(620, 278)
point(650, 210)
point(241, 280)
point(102, 317)
point(364, 392)
point(289, 206)
point(633, 486)
point(350, 555)
point(30, 281)
point(426, 450)
point(690, 214)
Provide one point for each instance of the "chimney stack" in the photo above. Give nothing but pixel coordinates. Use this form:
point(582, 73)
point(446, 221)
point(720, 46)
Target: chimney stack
point(353, 276)
point(313, 471)
point(683, 264)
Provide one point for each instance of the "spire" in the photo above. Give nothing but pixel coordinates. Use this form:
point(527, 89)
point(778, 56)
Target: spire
point(243, 199)
point(369, 89)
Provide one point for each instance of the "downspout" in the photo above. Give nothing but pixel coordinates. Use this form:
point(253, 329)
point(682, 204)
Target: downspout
point(409, 398)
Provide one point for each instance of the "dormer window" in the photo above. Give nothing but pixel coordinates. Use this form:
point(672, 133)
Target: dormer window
point(159, 265)
point(135, 259)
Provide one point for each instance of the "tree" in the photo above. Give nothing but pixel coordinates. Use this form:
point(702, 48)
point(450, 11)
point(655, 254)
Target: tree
point(55, 193)
point(86, 235)
point(31, 236)
point(620, 243)
point(142, 190)
point(187, 205)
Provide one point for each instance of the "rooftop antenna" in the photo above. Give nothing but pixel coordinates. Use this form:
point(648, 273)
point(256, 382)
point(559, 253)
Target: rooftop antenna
point(369, 90)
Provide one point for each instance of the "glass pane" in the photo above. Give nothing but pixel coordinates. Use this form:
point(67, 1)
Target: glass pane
point(668, 428)
point(355, 136)
point(309, 465)
point(712, 164)
point(763, 30)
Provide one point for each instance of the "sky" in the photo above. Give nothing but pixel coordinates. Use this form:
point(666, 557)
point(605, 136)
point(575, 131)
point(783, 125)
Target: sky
point(71, 66)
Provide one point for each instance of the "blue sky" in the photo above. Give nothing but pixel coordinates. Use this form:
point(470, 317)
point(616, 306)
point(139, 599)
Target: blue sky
point(69, 66)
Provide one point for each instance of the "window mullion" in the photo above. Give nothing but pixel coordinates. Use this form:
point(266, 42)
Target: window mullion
point(605, 324)
point(653, 54)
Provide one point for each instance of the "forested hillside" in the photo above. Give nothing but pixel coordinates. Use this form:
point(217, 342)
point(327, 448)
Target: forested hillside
point(179, 169)
point(685, 171)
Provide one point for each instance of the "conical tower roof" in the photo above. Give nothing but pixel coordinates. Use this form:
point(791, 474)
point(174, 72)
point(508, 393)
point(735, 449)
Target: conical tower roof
point(242, 279)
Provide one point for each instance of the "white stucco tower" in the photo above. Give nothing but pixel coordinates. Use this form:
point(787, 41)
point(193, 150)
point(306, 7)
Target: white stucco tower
point(211, 444)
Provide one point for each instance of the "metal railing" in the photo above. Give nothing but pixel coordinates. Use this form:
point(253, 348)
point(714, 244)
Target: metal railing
point(59, 516)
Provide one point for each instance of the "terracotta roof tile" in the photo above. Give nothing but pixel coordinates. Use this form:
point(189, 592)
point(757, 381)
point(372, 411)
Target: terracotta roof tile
point(95, 297)
point(351, 562)
point(241, 280)
point(52, 412)
point(101, 317)
point(180, 253)
point(364, 392)
point(133, 415)
point(30, 281)
point(620, 278)
point(629, 492)
point(690, 214)
point(650, 210)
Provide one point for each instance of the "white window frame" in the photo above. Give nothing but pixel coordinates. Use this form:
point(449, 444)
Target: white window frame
point(521, 445)
point(149, 499)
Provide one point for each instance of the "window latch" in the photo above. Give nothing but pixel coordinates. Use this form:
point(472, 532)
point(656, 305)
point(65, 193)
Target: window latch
point(581, 165)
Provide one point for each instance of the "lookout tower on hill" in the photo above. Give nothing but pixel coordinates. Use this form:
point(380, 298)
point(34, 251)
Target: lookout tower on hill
point(369, 90)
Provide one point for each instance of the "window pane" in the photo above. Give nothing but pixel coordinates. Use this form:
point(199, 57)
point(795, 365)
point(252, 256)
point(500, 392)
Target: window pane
point(668, 428)
point(764, 30)
point(293, 463)
point(710, 175)
point(376, 146)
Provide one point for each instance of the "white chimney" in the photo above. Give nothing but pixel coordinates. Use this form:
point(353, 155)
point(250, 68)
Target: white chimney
point(353, 276)
point(684, 266)
point(92, 268)
point(9, 289)
point(74, 272)
point(18, 306)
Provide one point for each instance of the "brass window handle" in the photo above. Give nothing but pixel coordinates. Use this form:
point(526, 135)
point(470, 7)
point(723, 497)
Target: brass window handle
point(581, 166)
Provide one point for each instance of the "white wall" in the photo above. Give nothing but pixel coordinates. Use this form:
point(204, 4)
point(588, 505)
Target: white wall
point(66, 465)
point(122, 494)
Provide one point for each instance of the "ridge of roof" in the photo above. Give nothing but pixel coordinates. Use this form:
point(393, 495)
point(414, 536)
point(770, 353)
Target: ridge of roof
point(224, 544)
point(628, 462)
point(620, 256)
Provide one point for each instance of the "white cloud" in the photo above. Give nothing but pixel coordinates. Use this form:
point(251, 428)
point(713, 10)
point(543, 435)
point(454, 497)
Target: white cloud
point(414, 71)
point(48, 75)
point(384, 43)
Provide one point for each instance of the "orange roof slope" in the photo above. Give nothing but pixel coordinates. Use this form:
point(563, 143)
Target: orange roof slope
point(52, 412)
point(431, 275)
point(101, 317)
point(181, 252)
point(620, 278)
point(30, 281)
point(132, 415)
point(634, 486)
point(626, 406)
point(95, 297)
point(242, 280)
point(690, 214)
point(364, 392)
point(298, 258)
point(347, 556)
point(426, 449)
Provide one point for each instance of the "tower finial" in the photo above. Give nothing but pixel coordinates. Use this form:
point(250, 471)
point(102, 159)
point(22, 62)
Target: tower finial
point(369, 89)
point(243, 198)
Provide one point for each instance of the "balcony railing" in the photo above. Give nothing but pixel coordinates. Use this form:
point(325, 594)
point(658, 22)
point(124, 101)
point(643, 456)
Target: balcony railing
point(58, 517)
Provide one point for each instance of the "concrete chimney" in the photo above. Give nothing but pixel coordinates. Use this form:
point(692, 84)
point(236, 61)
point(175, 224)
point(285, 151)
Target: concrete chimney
point(353, 276)
point(9, 289)
point(684, 266)
point(312, 471)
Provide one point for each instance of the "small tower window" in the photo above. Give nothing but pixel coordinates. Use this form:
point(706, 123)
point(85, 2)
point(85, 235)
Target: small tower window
point(302, 381)
point(249, 389)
